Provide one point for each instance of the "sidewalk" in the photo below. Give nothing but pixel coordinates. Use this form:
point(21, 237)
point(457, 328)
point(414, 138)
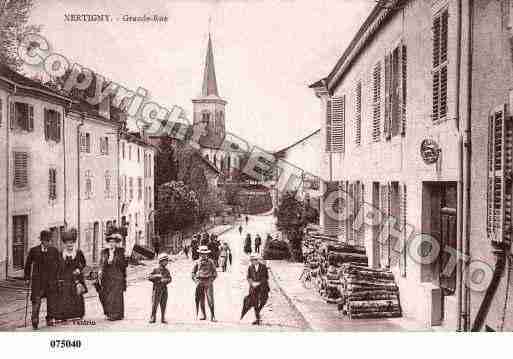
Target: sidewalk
point(322, 316)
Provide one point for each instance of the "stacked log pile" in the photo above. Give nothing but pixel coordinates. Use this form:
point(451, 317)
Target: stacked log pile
point(369, 293)
point(344, 278)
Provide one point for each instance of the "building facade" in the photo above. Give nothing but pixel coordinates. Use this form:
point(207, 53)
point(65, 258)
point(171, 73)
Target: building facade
point(32, 188)
point(92, 167)
point(136, 161)
point(405, 136)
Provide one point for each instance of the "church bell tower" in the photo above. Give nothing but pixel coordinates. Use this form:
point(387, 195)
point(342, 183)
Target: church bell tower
point(210, 107)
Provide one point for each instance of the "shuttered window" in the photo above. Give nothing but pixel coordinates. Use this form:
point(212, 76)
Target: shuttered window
point(88, 181)
point(500, 168)
point(358, 114)
point(440, 34)
point(21, 170)
point(404, 92)
point(108, 179)
point(85, 142)
point(52, 184)
point(52, 125)
point(385, 231)
point(403, 198)
point(395, 92)
point(131, 188)
point(125, 186)
point(376, 103)
point(331, 223)
point(139, 188)
point(22, 116)
point(335, 124)
point(104, 145)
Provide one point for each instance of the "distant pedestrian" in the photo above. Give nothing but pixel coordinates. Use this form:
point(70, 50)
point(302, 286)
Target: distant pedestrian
point(247, 244)
point(247, 220)
point(258, 243)
point(213, 247)
point(194, 247)
point(240, 230)
point(258, 280)
point(203, 274)
point(160, 277)
point(186, 250)
point(205, 238)
point(224, 256)
point(156, 245)
point(41, 270)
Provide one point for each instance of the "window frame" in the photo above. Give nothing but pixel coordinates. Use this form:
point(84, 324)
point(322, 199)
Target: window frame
point(440, 62)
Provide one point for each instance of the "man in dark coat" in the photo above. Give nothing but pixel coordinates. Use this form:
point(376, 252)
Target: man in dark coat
point(258, 243)
point(41, 269)
point(194, 248)
point(258, 279)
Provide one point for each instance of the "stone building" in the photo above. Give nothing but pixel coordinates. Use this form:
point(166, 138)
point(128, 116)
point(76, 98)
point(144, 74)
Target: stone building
point(415, 128)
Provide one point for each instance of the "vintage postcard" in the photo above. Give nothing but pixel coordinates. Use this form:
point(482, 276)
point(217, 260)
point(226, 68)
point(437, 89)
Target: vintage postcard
point(255, 166)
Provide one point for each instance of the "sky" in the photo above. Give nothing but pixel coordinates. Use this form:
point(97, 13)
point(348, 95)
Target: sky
point(266, 54)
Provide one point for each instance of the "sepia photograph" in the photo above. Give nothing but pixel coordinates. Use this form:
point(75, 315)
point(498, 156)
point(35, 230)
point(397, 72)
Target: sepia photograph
point(236, 166)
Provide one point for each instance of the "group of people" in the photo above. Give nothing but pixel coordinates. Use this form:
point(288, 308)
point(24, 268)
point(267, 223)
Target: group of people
point(58, 276)
point(248, 247)
point(219, 252)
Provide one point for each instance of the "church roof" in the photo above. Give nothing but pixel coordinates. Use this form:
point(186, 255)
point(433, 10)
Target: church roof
point(209, 75)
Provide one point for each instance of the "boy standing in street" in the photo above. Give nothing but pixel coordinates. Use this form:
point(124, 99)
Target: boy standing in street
point(160, 277)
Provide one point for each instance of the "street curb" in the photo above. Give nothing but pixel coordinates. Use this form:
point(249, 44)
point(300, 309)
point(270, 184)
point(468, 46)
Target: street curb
point(290, 301)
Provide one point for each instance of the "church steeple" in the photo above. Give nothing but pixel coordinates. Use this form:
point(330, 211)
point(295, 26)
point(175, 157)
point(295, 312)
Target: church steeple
point(209, 75)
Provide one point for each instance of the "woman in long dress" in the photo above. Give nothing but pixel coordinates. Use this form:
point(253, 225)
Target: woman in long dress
point(112, 278)
point(71, 282)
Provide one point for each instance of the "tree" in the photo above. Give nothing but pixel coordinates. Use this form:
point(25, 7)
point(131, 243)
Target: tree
point(292, 220)
point(177, 207)
point(14, 16)
point(166, 168)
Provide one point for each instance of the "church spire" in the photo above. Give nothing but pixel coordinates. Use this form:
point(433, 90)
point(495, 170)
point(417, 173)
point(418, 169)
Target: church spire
point(209, 75)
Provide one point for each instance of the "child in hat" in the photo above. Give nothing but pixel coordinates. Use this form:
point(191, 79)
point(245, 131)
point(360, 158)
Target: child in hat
point(160, 277)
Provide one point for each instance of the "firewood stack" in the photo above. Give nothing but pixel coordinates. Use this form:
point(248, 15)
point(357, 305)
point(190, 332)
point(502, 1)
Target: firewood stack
point(369, 293)
point(345, 279)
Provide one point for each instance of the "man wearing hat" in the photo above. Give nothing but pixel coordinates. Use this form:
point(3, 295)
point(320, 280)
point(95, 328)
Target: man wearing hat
point(41, 269)
point(203, 274)
point(258, 279)
point(160, 277)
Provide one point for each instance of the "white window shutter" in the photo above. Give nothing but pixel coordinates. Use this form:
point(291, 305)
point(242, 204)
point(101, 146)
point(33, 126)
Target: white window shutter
point(404, 82)
point(338, 124)
point(500, 169)
point(328, 126)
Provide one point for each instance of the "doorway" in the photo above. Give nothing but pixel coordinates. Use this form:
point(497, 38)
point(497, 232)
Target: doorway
point(440, 222)
point(19, 241)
